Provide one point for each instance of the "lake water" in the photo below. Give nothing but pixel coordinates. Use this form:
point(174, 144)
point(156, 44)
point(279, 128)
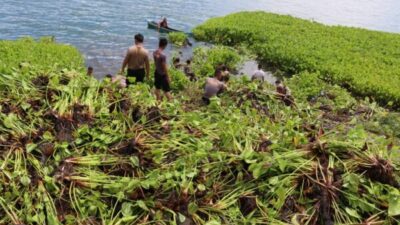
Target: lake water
point(103, 29)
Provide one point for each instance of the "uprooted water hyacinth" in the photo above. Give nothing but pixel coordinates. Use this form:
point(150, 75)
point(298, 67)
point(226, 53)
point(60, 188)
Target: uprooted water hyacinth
point(74, 150)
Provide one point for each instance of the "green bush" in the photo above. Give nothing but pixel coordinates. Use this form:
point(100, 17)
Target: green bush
point(177, 38)
point(366, 62)
point(43, 55)
point(205, 60)
point(309, 87)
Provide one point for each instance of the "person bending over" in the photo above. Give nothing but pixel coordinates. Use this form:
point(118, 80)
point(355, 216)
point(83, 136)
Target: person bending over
point(137, 60)
point(162, 80)
point(214, 86)
point(259, 74)
point(284, 93)
point(188, 70)
point(177, 63)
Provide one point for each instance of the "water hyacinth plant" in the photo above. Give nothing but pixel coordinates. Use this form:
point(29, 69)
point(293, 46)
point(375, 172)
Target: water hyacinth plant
point(75, 150)
point(362, 61)
point(178, 38)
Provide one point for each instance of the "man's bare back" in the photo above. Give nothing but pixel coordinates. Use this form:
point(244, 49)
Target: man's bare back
point(137, 61)
point(137, 57)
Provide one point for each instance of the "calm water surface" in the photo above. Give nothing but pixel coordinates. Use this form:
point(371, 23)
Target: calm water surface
point(103, 29)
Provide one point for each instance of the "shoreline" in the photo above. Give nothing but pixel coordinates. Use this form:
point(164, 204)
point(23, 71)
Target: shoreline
point(358, 59)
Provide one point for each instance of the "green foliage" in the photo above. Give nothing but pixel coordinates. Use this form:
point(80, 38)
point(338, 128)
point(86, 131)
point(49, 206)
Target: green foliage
point(44, 55)
point(179, 80)
point(177, 38)
point(74, 150)
point(365, 62)
point(205, 60)
point(309, 87)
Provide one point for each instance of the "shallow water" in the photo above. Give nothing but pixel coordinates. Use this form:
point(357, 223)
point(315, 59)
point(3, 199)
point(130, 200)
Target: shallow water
point(103, 29)
point(249, 67)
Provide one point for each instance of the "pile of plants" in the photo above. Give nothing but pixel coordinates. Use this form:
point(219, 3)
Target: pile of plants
point(178, 38)
point(74, 150)
point(206, 59)
point(364, 62)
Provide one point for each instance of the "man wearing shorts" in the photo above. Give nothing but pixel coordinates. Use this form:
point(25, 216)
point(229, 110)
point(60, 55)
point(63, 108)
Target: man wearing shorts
point(161, 77)
point(137, 59)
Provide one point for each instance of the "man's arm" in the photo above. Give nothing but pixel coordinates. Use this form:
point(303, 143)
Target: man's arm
point(165, 67)
point(147, 67)
point(223, 86)
point(125, 63)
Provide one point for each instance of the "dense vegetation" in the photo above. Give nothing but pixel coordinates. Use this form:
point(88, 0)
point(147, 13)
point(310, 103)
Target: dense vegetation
point(205, 60)
point(365, 62)
point(178, 38)
point(43, 54)
point(74, 150)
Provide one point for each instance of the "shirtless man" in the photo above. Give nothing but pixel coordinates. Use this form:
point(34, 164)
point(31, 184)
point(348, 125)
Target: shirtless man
point(214, 86)
point(137, 60)
point(259, 74)
point(162, 80)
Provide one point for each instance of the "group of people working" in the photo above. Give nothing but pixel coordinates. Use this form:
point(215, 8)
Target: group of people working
point(137, 63)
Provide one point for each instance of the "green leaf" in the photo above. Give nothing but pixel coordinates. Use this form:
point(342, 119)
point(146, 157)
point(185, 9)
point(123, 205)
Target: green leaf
point(25, 180)
point(8, 121)
point(274, 180)
point(352, 213)
point(127, 209)
point(30, 147)
point(213, 222)
point(182, 218)
point(394, 205)
point(135, 161)
point(192, 208)
point(142, 205)
point(48, 136)
point(201, 187)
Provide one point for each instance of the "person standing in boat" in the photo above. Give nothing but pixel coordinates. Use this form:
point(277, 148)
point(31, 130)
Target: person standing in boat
point(162, 80)
point(137, 60)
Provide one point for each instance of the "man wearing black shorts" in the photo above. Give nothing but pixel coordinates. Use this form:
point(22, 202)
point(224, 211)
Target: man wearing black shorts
point(137, 59)
point(161, 77)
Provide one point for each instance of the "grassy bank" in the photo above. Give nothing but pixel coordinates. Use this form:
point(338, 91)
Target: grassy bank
point(75, 150)
point(43, 54)
point(366, 62)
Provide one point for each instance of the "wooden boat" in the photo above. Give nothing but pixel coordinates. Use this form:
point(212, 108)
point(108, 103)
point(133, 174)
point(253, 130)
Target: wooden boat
point(154, 25)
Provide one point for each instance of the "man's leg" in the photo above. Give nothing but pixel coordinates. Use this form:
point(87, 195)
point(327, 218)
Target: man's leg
point(140, 76)
point(168, 95)
point(167, 89)
point(128, 77)
point(158, 95)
